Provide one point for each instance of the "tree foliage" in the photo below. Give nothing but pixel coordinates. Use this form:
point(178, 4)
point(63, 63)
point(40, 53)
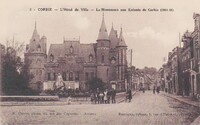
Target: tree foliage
point(96, 83)
point(15, 72)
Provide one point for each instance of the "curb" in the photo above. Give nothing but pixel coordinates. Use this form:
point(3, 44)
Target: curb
point(197, 120)
point(180, 100)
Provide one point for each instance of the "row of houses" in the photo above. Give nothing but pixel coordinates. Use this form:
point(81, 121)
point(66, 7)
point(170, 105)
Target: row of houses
point(139, 79)
point(181, 73)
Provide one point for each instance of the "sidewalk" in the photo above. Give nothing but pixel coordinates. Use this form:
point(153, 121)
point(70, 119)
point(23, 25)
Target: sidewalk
point(188, 101)
point(183, 99)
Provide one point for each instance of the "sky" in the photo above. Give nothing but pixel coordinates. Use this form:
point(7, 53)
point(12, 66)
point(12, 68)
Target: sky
point(150, 34)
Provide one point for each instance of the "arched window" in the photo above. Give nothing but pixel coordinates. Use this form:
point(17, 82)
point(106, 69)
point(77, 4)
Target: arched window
point(71, 49)
point(90, 58)
point(39, 48)
point(49, 76)
point(51, 58)
point(71, 76)
point(102, 59)
point(64, 76)
point(77, 76)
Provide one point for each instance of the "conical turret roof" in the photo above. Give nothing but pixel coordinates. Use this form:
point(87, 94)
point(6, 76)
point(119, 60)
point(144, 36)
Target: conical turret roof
point(35, 33)
point(113, 37)
point(103, 35)
point(121, 40)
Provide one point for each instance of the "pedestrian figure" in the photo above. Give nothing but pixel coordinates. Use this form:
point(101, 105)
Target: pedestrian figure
point(69, 100)
point(92, 97)
point(108, 95)
point(143, 90)
point(98, 97)
point(126, 97)
point(101, 96)
point(113, 96)
point(95, 97)
point(158, 89)
point(129, 95)
point(105, 96)
point(154, 89)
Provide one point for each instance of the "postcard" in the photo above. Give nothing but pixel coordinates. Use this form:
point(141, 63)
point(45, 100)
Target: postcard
point(100, 62)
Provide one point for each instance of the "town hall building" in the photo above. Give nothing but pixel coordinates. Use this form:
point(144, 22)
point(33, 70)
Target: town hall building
point(77, 62)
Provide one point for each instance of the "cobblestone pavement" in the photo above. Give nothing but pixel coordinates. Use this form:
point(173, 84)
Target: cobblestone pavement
point(145, 109)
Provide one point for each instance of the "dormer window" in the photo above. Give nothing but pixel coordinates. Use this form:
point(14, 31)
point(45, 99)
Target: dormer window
point(39, 48)
point(102, 59)
point(90, 58)
point(71, 50)
point(51, 58)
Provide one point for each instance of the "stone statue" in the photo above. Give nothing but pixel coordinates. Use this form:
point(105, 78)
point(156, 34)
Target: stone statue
point(59, 82)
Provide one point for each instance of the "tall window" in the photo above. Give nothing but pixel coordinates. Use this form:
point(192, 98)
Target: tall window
point(51, 58)
point(54, 76)
point(49, 76)
point(92, 75)
point(90, 58)
point(71, 76)
point(77, 76)
point(71, 49)
point(102, 59)
point(64, 76)
point(86, 76)
point(122, 56)
point(107, 74)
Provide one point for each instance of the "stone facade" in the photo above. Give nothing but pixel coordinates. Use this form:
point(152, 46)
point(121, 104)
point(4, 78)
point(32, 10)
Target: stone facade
point(187, 53)
point(35, 58)
point(174, 60)
point(195, 59)
point(78, 62)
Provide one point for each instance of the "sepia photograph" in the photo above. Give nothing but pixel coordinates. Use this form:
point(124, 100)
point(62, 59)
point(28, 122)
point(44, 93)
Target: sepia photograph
point(100, 62)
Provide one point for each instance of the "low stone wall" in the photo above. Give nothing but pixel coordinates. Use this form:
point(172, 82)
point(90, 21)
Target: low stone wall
point(29, 98)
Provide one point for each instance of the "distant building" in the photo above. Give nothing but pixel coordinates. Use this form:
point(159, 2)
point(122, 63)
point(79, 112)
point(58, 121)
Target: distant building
point(186, 53)
point(165, 77)
point(77, 62)
point(144, 78)
point(174, 61)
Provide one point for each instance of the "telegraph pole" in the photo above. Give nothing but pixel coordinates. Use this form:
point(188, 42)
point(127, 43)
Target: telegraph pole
point(131, 82)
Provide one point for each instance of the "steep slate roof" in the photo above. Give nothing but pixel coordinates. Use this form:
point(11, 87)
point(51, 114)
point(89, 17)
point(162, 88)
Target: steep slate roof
point(56, 50)
point(81, 50)
point(103, 35)
point(74, 44)
point(121, 40)
point(86, 50)
point(113, 38)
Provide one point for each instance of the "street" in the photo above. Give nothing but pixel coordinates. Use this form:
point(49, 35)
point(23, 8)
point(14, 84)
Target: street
point(145, 109)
